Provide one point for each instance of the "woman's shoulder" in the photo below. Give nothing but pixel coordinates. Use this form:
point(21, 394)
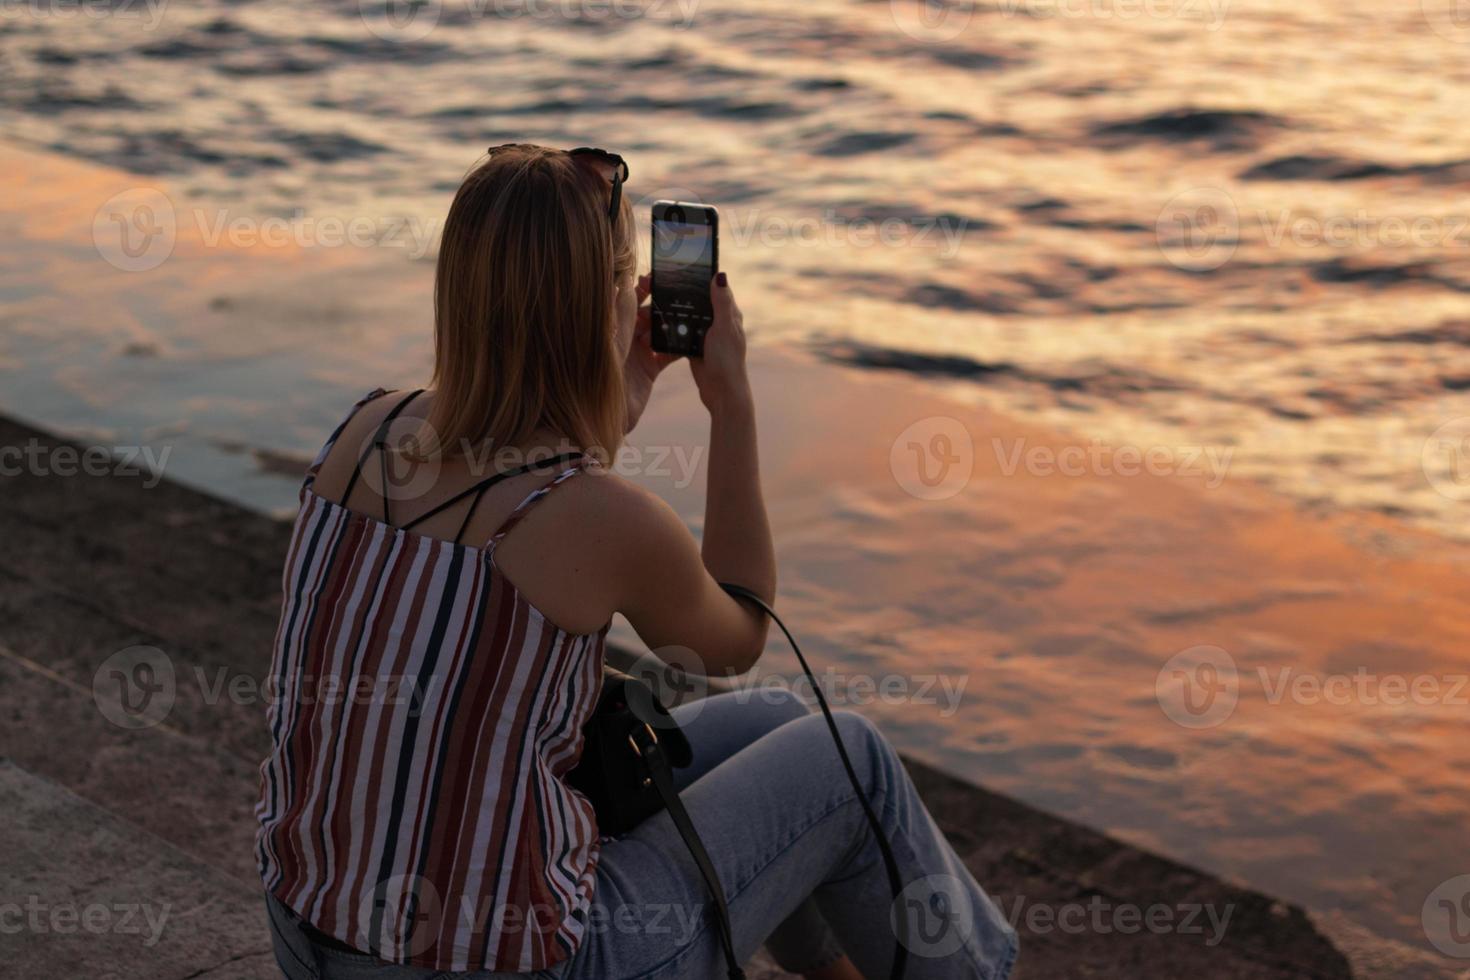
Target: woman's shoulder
point(339, 455)
point(609, 498)
point(631, 520)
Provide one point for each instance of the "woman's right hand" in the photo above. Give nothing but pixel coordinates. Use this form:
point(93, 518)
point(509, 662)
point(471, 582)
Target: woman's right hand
point(720, 374)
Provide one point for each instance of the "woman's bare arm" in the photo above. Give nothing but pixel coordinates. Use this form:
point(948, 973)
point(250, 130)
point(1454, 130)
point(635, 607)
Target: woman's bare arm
point(677, 601)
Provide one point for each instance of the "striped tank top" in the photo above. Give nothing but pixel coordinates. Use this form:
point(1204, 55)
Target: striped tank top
point(423, 718)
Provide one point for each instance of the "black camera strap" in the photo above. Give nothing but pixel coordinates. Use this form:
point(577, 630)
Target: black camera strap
point(662, 775)
point(645, 742)
point(890, 863)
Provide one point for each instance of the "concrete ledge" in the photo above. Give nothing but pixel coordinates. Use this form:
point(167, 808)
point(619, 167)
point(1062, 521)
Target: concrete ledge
point(96, 564)
point(96, 897)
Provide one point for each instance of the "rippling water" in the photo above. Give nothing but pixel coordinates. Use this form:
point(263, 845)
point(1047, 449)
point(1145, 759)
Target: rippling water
point(1182, 223)
point(999, 196)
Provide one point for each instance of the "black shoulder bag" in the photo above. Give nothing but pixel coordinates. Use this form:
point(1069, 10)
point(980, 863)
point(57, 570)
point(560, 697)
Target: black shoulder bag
point(630, 750)
point(631, 746)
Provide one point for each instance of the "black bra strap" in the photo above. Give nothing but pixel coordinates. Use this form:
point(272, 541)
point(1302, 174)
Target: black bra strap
point(479, 491)
point(377, 443)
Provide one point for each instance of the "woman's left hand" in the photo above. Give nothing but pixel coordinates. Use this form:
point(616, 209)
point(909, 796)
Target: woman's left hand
point(644, 364)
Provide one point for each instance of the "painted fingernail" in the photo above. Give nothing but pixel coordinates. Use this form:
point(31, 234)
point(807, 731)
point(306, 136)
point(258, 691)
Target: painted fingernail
point(723, 282)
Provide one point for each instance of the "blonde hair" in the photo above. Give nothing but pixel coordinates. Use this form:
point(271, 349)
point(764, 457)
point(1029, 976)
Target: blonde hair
point(524, 305)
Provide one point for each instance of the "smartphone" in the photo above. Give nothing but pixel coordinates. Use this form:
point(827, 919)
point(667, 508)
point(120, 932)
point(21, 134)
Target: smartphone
point(686, 253)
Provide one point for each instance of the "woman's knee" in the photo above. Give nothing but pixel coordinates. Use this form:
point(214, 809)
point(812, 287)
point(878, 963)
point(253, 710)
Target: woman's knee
point(873, 756)
point(787, 703)
point(859, 730)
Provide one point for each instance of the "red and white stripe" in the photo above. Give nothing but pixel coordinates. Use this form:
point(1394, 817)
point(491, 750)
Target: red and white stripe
point(455, 784)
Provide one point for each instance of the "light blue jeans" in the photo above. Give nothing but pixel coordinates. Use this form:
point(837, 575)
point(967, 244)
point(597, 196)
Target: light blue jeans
point(800, 866)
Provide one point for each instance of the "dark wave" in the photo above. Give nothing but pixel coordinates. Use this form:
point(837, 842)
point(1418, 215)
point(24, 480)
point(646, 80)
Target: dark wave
point(1455, 333)
point(1336, 168)
point(1359, 271)
point(911, 362)
point(172, 151)
point(327, 147)
point(854, 144)
point(1095, 379)
point(1224, 129)
point(934, 295)
point(734, 108)
point(50, 97)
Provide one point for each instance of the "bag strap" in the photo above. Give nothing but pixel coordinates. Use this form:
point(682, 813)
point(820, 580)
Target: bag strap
point(663, 780)
point(478, 492)
point(378, 444)
point(576, 462)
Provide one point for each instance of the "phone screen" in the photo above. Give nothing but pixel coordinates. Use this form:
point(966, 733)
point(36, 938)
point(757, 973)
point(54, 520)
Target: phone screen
point(684, 253)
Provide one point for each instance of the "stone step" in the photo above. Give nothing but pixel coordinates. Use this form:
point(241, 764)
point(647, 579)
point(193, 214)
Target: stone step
point(86, 894)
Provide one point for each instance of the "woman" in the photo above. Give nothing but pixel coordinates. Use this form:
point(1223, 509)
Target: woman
point(441, 643)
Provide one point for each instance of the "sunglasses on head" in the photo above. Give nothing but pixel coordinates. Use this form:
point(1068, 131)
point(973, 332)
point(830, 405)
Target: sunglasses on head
point(596, 155)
